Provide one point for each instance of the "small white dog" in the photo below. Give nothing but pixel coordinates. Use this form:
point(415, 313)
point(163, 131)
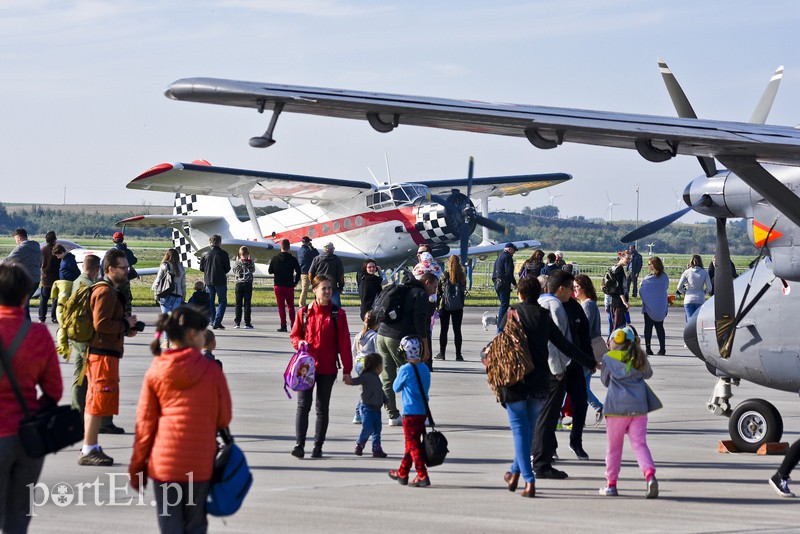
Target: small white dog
point(488, 319)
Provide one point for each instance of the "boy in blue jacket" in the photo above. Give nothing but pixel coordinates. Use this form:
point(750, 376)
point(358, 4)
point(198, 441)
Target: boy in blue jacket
point(408, 380)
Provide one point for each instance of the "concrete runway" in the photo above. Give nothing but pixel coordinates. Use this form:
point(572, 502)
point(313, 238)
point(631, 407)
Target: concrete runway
point(701, 490)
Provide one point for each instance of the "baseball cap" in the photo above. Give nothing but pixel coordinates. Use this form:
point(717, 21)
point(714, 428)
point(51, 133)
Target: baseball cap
point(306, 239)
point(328, 246)
point(511, 245)
point(118, 235)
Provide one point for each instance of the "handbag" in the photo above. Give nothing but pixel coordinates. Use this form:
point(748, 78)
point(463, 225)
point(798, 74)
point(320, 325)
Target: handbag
point(53, 427)
point(599, 348)
point(433, 443)
point(231, 479)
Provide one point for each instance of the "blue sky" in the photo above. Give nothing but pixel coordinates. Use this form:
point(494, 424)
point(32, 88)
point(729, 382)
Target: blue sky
point(83, 86)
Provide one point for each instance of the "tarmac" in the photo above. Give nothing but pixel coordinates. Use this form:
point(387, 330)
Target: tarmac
point(701, 490)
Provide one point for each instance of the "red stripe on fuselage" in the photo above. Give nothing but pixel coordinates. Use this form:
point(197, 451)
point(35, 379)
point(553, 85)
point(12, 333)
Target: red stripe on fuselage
point(406, 216)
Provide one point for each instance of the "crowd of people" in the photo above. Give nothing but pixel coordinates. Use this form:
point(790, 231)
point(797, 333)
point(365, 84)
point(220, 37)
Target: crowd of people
point(185, 397)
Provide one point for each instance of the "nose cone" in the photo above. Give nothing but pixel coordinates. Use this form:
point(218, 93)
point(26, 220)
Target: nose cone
point(687, 195)
point(690, 336)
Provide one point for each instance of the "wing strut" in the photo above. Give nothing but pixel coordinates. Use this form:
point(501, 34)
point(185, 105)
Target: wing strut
point(248, 202)
point(266, 140)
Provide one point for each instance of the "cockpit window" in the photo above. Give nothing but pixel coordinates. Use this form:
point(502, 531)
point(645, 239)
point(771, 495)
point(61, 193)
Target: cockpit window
point(396, 195)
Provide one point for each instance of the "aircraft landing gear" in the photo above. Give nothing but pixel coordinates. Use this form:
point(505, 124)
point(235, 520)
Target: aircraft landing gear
point(720, 401)
point(753, 423)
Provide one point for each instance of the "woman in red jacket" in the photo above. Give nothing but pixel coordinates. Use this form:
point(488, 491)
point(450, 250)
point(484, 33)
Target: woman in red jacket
point(184, 401)
point(35, 363)
point(323, 327)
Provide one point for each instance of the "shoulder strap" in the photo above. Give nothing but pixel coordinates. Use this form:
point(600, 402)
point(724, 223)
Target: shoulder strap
point(335, 317)
point(424, 397)
point(6, 355)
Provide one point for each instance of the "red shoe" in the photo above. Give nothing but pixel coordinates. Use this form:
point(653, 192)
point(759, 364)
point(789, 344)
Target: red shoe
point(394, 475)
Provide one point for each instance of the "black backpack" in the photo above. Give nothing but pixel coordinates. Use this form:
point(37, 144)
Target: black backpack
point(389, 303)
point(452, 295)
point(610, 286)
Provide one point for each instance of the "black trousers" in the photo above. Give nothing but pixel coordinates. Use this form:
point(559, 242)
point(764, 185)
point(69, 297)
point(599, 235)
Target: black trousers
point(576, 387)
point(244, 296)
point(544, 435)
point(444, 317)
point(790, 460)
point(44, 298)
point(323, 386)
point(648, 332)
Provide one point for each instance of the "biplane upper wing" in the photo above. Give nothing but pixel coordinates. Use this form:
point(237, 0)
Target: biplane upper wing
point(546, 127)
point(201, 179)
point(498, 186)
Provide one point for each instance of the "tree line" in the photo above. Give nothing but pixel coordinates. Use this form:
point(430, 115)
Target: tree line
point(38, 221)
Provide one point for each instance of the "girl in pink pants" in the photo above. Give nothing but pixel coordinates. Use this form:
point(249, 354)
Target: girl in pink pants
point(629, 400)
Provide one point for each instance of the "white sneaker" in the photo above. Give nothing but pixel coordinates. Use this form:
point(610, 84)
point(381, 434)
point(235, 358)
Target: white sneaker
point(235, 326)
point(397, 421)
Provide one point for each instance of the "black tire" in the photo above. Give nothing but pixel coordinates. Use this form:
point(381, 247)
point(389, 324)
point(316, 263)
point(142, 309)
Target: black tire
point(753, 423)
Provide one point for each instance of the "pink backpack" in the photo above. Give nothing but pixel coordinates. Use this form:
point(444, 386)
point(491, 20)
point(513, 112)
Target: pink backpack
point(299, 374)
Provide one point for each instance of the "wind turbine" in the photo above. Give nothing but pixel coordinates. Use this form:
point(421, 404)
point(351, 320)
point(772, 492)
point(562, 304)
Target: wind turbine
point(610, 208)
point(678, 200)
point(552, 196)
point(650, 248)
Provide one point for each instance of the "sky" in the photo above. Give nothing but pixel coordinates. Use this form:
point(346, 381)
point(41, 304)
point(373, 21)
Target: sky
point(83, 82)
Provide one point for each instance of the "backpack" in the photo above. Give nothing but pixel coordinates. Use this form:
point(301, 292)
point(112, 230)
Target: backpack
point(508, 359)
point(389, 303)
point(231, 479)
point(76, 316)
point(452, 296)
point(300, 372)
point(523, 273)
point(609, 285)
point(164, 284)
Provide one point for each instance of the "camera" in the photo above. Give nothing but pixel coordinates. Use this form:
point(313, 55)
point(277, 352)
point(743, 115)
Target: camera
point(139, 326)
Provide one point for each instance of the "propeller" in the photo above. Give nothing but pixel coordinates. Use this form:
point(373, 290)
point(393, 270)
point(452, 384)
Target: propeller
point(659, 224)
point(461, 209)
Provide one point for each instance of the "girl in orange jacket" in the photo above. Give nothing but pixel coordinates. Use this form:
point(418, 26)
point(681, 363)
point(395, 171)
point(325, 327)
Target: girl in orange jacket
point(184, 402)
point(323, 329)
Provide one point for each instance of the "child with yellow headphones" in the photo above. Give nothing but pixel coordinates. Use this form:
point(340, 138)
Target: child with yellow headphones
point(629, 400)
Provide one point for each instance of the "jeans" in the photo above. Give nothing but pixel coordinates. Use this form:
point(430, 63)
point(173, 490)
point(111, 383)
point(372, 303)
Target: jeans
point(244, 296)
point(389, 349)
point(522, 417)
point(336, 298)
point(370, 426)
point(324, 386)
point(444, 317)
point(504, 294)
point(691, 309)
point(167, 304)
point(632, 280)
point(636, 428)
point(44, 298)
point(285, 298)
point(188, 515)
point(648, 332)
point(28, 302)
point(17, 470)
point(594, 402)
point(790, 460)
point(221, 293)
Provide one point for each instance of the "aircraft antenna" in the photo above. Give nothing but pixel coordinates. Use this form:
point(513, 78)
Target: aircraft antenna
point(388, 172)
point(374, 177)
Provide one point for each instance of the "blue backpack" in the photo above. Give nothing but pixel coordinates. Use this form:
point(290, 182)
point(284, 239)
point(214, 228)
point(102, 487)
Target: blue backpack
point(231, 479)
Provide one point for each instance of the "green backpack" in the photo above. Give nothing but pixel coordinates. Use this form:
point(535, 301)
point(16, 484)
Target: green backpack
point(76, 318)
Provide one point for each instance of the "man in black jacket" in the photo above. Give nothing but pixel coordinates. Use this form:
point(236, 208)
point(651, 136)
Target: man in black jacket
point(330, 265)
point(503, 279)
point(216, 264)
point(305, 257)
point(575, 377)
point(286, 270)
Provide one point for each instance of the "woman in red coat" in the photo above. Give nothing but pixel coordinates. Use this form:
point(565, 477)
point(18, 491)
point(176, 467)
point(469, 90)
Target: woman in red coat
point(184, 401)
point(323, 327)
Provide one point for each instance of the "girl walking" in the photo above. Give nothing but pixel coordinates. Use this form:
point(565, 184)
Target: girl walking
point(365, 342)
point(170, 266)
point(322, 326)
point(695, 284)
point(629, 399)
point(243, 271)
point(372, 400)
point(184, 402)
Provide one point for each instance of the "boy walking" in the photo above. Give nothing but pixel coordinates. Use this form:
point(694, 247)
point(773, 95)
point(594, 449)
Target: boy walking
point(408, 381)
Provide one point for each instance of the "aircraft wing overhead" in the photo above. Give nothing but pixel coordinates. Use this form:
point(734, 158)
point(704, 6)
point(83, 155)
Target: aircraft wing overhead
point(483, 250)
point(545, 127)
point(192, 178)
point(161, 221)
point(498, 186)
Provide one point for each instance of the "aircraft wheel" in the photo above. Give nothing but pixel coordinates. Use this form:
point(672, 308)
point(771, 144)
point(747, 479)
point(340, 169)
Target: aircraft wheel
point(753, 423)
